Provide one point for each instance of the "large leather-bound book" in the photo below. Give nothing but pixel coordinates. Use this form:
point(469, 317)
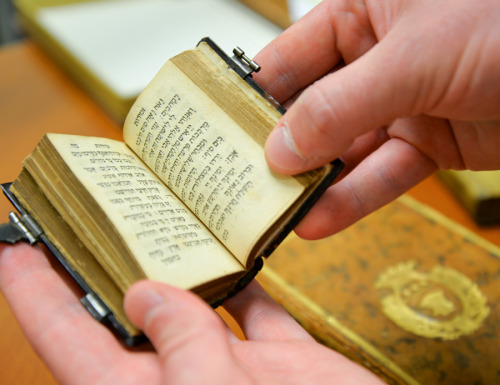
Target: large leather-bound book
point(406, 292)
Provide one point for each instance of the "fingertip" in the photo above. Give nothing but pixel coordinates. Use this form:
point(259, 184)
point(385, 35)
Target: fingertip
point(282, 153)
point(19, 260)
point(182, 328)
point(140, 300)
point(152, 305)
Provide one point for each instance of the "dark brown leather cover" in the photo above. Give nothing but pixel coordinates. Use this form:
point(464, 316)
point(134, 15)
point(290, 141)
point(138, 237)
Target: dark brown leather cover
point(406, 292)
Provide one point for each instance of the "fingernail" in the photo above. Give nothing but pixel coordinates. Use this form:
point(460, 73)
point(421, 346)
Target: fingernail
point(141, 302)
point(148, 299)
point(281, 150)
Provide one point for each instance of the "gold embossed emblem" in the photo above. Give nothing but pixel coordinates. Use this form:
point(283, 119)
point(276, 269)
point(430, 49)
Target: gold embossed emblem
point(441, 304)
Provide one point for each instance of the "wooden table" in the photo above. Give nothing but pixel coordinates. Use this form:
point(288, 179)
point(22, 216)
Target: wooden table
point(35, 97)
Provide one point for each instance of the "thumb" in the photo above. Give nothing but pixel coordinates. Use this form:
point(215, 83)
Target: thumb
point(190, 339)
point(329, 115)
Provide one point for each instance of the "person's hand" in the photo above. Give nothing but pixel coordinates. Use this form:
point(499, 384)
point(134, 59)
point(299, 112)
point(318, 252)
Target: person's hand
point(192, 344)
point(406, 87)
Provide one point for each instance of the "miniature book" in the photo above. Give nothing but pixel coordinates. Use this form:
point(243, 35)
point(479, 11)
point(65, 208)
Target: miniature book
point(187, 199)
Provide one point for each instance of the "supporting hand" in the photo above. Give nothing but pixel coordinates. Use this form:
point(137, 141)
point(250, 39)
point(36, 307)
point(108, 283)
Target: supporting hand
point(192, 344)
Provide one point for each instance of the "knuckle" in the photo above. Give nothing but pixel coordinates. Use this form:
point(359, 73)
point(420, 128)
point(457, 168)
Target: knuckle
point(323, 121)
point(286, 73)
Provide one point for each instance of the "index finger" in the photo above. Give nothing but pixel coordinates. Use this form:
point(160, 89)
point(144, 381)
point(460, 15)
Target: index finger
point(333, 32)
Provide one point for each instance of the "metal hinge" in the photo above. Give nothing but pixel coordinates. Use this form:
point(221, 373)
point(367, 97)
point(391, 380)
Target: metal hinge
point(95, 306)
point(20, 228)
point(247, 65)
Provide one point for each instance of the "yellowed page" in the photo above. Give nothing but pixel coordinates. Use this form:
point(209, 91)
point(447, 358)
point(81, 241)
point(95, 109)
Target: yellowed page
point(170, 244)
point(208, 160)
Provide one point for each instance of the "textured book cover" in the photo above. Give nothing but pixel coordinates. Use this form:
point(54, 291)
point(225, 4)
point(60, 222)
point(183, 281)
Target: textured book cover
point(406, 292)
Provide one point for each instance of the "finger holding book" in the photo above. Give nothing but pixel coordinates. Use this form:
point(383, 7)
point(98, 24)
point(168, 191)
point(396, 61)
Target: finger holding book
point(362, 74)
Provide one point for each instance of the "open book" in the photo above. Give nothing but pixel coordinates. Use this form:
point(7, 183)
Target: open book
point(187, 199)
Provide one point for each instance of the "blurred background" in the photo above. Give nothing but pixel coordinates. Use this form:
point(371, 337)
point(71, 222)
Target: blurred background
point(10, 29)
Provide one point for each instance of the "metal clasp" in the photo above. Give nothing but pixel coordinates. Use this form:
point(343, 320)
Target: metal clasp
point(20, 229)
point(247, 65)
